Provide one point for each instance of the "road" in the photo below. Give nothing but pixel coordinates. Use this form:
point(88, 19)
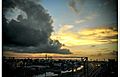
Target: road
point(93, 70)
point(96, 71)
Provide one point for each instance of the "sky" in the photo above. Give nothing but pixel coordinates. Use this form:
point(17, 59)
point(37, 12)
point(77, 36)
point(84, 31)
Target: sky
point(85, 27)
point(82, 13)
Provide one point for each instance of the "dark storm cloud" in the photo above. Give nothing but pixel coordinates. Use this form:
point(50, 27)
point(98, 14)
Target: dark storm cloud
point(52, 47)
point(31, 34)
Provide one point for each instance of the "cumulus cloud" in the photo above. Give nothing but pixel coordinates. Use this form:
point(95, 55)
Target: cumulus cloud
point(80, 21)
point(76, 5)
point(65, 28)
point(72, 5)
point(86, 19)
point(30, 34)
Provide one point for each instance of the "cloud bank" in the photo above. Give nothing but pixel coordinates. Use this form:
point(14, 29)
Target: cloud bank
point(30, 34)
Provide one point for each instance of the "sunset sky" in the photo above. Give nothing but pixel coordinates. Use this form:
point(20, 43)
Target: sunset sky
point(85, 27)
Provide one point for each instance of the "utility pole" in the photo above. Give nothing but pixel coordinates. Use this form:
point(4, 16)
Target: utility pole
point(85, 64)
point(45, 73)
point(46, 60)
point(46, 56)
